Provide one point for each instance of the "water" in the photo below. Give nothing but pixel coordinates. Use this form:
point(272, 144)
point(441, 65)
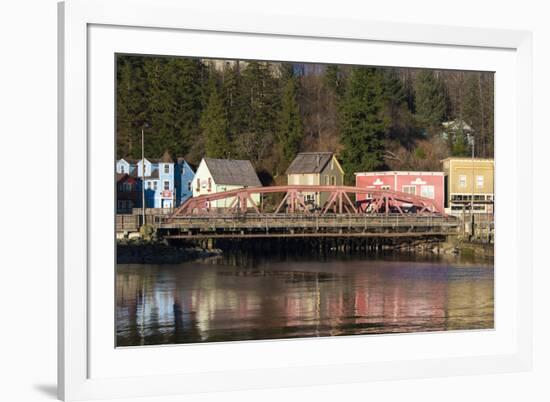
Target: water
point(273, 297)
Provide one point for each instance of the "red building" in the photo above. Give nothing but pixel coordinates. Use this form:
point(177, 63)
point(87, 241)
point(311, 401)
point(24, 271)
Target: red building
point(128, 193)
point(424, 184)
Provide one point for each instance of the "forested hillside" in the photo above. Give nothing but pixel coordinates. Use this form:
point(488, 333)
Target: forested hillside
point(373, 118)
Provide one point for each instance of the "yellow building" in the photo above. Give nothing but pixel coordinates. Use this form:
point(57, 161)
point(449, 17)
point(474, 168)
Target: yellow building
point(315, 168)
point(466, 177)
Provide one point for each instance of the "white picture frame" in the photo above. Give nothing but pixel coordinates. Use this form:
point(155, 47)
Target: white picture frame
point(89, 33)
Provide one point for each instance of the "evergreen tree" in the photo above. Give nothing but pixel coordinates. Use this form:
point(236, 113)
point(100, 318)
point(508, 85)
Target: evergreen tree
point(215, 128)
point(393, 89)
point(286, 71)
point(234, 99)
point(430, 99)
point(362, 127)
point(130, 105)
point(291, 131)
point(398, 118)
point(460, 145)
point(181, 78)
point(262, 95)
point(334, 80)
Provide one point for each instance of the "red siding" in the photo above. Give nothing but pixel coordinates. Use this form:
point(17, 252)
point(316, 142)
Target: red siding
point(422, 182)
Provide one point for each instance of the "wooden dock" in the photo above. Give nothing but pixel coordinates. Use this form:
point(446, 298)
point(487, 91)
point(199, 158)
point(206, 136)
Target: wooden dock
point(326, 225)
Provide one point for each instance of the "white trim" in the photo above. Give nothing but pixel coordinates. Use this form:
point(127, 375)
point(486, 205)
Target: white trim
point(400, 173)
point(406, 187)
point(74, 233)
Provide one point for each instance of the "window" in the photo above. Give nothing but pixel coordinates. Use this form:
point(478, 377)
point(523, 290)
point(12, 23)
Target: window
point(332, 180)
point(479, 181)
point(409, 190)
point(385, 187)
point(198, 184)
point(166, 168)
point(155, 185)
point(166, 184)
point(209, 184)
point(188, 186)
point(122, 170)
point(148, 185)
point(427, 192)
point(462, 181)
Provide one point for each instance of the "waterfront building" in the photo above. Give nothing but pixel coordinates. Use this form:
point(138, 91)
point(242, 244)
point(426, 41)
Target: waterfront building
point(315, 168)
point(128, 194)
point(466, 178)
point(125, 166)
point(424, 184)
point(158, 179)
point(219, 175)
point(184, 175)
point(166, 183)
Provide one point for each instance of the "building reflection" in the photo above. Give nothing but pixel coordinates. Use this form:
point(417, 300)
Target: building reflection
point(157, 305)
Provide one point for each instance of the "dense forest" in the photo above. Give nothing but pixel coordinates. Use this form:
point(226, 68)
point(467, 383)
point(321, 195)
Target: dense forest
point(372, 118)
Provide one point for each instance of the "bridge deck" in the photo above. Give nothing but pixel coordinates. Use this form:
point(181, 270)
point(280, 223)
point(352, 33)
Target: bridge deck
point(283, 225)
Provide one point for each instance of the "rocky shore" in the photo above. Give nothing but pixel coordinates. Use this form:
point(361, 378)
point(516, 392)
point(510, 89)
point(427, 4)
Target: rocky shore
point(458, 247)
point(140, 252)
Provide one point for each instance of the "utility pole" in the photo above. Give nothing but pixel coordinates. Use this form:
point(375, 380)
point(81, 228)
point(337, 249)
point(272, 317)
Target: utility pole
point(142, 178)
point(473, 186)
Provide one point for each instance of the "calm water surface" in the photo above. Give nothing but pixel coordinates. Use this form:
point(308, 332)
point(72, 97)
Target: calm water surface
point(242, 298)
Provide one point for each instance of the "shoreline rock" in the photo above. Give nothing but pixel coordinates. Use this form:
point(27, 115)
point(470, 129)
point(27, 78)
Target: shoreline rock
point(160, 253)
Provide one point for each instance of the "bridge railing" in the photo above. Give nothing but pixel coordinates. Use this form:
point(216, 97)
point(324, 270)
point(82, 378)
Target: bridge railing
point(273, 221)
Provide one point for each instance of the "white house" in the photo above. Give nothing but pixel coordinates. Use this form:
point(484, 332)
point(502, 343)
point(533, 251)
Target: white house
point(125, 166)
point(219, 175)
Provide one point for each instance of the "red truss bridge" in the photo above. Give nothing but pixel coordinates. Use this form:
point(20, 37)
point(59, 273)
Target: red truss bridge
point(307, 211)
point(338, 199)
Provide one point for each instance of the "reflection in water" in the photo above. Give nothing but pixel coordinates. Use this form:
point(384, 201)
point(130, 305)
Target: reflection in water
point(269, 298)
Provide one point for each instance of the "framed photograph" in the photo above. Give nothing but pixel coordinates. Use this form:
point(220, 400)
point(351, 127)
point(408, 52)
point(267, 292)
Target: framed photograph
point(254, 201)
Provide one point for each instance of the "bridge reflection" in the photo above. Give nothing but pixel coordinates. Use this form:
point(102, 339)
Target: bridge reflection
point(204, 303)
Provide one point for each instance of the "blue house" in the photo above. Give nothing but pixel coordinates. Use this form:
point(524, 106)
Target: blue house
point(166, 183)
point(184, 181)
point(158, 181)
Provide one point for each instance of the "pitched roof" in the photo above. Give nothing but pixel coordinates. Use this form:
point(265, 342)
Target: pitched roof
point(150, 160)
point(309, 162)
point(166, 158)
point(129, 160)
point(232, 171)
point(154, 175)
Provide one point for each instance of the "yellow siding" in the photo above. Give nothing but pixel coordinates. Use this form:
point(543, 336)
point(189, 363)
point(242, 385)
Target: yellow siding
point(467, 176)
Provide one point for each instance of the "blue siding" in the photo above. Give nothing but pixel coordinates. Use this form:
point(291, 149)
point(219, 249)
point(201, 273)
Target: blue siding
point(184, 180)
point(167, 185)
